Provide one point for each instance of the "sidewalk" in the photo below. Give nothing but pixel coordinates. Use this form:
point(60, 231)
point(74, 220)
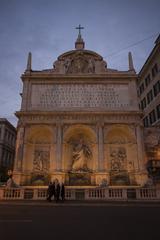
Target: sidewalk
point(69, 203)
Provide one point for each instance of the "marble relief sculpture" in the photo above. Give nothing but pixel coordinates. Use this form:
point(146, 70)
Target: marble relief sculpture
point(41, 161)
point(81, 154)
point(91, 65)
point(79, 63)
point(67, 64)
point(118, 159)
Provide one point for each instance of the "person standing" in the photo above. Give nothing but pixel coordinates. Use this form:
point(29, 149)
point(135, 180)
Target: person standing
point(57, 190)
point(62, 191)
point(51, 191)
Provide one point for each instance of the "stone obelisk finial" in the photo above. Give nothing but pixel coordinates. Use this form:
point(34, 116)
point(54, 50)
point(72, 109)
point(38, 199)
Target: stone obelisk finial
point(79, 44)
point(29, 62)
point(130, 61)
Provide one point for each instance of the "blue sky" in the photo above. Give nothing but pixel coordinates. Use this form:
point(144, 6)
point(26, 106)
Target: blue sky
point(47, 29)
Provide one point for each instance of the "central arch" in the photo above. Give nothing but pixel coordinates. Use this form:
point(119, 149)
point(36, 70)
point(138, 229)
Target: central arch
point(79, 135)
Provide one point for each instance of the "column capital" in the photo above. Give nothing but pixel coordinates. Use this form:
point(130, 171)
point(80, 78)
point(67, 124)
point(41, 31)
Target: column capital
point(59, 124)
point(100, 124)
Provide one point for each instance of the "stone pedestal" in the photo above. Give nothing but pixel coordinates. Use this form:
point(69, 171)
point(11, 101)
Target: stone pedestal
point(100, 177)
point(58, 175)
point(119, 178)
point(79, 179)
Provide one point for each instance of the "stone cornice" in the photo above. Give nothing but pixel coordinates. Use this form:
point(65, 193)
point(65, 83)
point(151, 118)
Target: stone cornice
point(64, 113)
point(78, 118)
point(79, 77)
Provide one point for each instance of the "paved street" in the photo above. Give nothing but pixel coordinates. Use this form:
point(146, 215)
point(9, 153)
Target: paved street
point(87, 221)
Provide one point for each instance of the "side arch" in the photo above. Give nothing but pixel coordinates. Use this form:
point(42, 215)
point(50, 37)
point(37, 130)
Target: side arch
point(39, 152)
point(121, 158)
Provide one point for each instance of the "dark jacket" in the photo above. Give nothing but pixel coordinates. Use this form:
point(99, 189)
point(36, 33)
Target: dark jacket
point(51, 189)
point(62, 189)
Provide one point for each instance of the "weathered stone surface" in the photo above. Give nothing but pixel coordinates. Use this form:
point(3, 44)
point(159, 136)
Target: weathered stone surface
point(58, 96)
point(80, 102)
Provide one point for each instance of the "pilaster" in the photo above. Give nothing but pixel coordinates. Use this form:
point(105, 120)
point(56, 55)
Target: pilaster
point(53, 152)
point(59, 147)
point(19, 149)
point(100, 147)
point(140, 147)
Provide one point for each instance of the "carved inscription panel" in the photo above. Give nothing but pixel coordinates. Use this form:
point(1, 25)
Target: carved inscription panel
point(67, 96)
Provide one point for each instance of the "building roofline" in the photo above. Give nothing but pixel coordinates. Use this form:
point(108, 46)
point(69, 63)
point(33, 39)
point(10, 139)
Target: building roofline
point(157, 43)
point(5, 121)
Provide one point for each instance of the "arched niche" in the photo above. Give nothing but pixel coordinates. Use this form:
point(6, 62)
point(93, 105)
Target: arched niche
point(80, 130)
point(120, 148)
point(40, 134)
point(38, 150)
point(72, 136)
point(119, 134)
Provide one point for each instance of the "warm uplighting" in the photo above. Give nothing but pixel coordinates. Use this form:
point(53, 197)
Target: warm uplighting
point(158, 153)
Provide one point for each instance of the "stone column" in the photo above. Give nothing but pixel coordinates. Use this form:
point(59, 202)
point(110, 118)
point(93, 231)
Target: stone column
point(59, 147)
point(19, 149)
point(65, 151)
point(140, 147)
point(53, 150)
point(24, 154)
point(100, 148)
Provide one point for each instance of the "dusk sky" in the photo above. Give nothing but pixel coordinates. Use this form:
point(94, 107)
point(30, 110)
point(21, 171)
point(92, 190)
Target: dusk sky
point(47, 29)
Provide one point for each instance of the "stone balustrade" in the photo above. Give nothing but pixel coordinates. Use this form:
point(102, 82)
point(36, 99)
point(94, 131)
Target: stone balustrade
point(95, 193)
point(12, 193)
point(148, 193)
point(119, 194)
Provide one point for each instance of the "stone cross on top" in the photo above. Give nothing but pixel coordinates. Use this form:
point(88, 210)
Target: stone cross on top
point(79, 28)
point(79, 44)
